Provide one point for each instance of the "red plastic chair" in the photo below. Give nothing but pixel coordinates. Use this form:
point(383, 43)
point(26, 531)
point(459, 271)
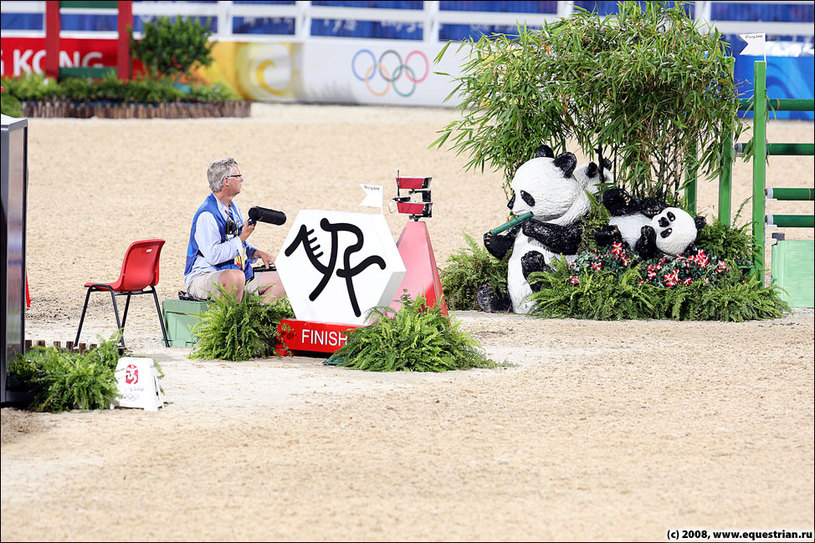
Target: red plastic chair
point(139, 275)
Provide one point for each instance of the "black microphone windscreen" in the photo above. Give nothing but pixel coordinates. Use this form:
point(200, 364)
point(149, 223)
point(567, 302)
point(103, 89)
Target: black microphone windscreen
point(271, 216)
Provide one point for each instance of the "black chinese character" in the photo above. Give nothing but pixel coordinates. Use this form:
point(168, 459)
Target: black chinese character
point(347, 272)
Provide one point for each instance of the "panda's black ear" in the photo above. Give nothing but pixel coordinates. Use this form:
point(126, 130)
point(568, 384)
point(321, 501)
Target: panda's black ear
point(591, 170)
point(544, 151)
point(700, 222)
point(651, 207)
point(567, 163)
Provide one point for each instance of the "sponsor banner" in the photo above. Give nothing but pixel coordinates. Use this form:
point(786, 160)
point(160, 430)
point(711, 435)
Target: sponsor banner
point(372, 73)
point(22, 56)
point(336, 72)
point(353, 72)
point(265, 72)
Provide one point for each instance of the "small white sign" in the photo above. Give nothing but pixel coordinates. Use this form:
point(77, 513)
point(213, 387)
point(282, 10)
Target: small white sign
point(755, 44)
point(137, 381)
point(337, 265)
point(373, 196)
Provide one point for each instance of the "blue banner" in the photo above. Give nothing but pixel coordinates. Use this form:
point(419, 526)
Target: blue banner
point(787, 77)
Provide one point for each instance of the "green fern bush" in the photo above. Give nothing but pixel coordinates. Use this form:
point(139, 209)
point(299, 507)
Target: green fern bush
point(732, 300)
point(730, 243)
point(415, 338)
point(467, 270)
point(60, 380)
point(599, 295)
point(239, 330)
point(627, 293)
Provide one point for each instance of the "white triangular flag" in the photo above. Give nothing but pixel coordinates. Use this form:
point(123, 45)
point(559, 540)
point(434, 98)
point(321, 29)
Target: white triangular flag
point(755, 44)
point(373, 196)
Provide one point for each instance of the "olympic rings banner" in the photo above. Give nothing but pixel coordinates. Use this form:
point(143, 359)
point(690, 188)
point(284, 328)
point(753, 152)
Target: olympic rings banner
point(390, 73)
point(384, 72)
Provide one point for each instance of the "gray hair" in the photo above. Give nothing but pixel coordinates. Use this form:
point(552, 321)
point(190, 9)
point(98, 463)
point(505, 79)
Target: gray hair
point(217, 171)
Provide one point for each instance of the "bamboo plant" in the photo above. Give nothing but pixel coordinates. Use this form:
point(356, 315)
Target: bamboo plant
point(646, 88)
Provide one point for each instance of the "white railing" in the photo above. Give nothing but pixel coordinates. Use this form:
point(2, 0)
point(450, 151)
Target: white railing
point(430, 17)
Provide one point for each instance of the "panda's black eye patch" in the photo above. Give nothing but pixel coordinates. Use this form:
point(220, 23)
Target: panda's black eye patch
point(526, 197)
point(671, 216)
point(666, 233)
point(663, 222)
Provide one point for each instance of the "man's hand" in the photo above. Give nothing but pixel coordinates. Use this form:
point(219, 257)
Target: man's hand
point(246, 231)
point(265, 257)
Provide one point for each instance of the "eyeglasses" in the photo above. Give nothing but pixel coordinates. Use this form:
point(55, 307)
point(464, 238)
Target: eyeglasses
point(239, 176)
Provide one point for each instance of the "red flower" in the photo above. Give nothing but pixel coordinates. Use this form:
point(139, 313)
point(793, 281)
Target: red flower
point(617, 249)
point(672, 278)
point(597, 265)
point(574, 280)
point(687, 281)
point(701, 258)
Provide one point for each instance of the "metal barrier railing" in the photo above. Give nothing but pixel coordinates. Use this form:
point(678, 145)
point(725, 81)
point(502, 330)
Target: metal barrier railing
point(761, 104)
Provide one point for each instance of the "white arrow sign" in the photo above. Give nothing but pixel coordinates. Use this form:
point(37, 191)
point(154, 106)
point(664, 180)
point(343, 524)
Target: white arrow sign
point(755, 44)
point(373, 196)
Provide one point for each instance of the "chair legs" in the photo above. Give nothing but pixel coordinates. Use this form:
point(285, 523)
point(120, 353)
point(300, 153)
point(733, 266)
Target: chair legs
point(82, 318)
point(127, 306)
point(120, 323)
point(160, 318)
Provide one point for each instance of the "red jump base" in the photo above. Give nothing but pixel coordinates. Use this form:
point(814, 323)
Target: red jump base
point(304, 337)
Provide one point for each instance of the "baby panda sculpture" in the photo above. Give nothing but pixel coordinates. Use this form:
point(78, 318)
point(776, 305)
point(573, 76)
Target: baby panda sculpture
point(647, 226)
point(545, 186)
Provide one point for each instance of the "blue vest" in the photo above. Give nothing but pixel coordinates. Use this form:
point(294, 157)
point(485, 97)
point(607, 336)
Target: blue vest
point(211, 205)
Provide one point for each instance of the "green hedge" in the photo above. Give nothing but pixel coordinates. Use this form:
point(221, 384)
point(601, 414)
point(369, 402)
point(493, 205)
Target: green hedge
point(37, 87)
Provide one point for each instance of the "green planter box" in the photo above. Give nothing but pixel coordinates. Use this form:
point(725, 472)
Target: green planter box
point(179, 317)
point(792, 270)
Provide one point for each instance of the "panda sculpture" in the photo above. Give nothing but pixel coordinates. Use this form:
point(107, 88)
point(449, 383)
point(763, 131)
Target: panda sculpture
point(544, 185)
point(647, 226)
point(589, 177)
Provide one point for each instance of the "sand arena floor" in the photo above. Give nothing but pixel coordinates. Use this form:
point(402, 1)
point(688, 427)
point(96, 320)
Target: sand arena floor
point(595, 431)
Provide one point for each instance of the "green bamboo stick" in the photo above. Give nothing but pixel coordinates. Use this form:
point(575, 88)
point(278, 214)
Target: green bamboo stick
point(509, 224)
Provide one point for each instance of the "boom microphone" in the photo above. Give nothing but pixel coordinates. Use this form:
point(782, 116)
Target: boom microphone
point(262, 214)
